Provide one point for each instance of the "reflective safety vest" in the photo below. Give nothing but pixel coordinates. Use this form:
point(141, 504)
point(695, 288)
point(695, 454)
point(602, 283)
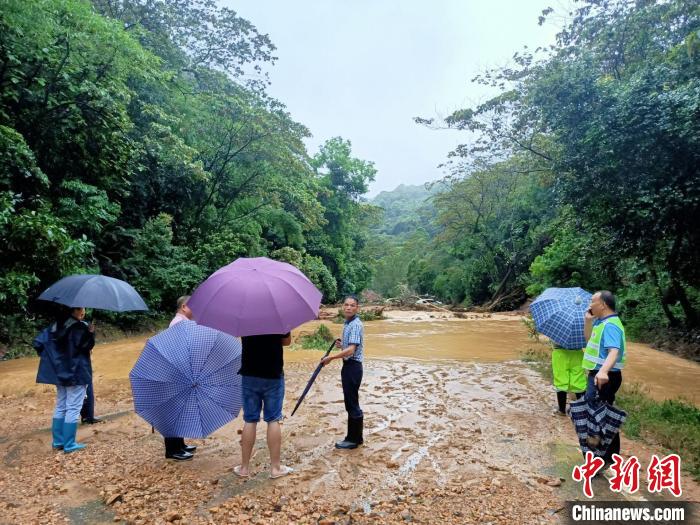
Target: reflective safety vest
point(591, 356)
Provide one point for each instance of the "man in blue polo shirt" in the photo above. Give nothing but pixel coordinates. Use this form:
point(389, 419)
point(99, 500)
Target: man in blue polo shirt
point(352, 355)
point(605, 354)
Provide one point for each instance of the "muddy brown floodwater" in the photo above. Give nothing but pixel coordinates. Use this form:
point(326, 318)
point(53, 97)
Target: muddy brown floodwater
point(457, 429)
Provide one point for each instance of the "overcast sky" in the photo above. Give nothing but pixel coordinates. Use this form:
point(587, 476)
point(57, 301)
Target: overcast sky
point(362, 69)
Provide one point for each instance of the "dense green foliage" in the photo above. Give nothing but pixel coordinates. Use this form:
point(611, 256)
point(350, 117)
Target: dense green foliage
point(137, 140)
point(582, 170)
point(674, 424)
point(406, 209)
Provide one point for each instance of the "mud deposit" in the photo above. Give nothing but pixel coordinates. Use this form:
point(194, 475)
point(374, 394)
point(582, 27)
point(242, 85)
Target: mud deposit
point(457, 430)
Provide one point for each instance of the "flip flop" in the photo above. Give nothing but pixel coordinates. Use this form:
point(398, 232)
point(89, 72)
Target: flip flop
point(285, 471)
point(237, 472)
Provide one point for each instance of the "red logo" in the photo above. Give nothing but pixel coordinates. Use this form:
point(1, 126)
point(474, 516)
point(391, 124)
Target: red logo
point(587, 471)
point(665, 474)
point(662, 474)
point(625, 474)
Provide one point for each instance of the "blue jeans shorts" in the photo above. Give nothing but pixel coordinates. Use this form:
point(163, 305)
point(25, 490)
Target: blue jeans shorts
point(264, 394)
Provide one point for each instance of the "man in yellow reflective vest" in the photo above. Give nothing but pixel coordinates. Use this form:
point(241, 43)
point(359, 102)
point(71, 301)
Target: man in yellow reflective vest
point(605, 354)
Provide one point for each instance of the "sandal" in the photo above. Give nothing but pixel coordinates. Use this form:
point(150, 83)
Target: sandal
point(285, 471)
point(237, 472)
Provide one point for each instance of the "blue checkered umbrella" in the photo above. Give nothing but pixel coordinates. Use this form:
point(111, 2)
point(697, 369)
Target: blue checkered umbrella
point(186, 382)
point(558, 314)
point(596, 419)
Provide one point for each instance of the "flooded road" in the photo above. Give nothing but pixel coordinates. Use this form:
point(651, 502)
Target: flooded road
point(457, 430)
point(421, 336)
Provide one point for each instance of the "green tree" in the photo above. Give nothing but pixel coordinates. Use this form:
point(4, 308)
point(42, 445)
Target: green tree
point(137, 140)
point(343, 180)
point(625, 113)
point(607, 119)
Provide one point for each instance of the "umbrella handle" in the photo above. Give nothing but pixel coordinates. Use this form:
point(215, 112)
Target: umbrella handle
point(329, 350)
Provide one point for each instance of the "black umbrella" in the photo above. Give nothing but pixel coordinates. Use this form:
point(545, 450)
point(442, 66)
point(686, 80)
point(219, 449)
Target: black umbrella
point(313, 378)
point(94, 291)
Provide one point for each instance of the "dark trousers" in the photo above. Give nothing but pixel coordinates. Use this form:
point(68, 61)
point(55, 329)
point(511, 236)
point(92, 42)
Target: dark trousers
point(173, 445)
point(607, 394)
point(88, 410)
point(351, 376)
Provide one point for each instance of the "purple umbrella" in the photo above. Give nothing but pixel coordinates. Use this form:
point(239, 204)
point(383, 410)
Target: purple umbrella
point(255, 296)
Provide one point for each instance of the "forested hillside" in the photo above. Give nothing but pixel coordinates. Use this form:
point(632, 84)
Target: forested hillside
point(581, 171)
point(137, 140)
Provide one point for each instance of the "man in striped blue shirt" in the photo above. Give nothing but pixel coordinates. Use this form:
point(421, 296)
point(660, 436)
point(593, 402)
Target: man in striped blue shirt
point(352, 354)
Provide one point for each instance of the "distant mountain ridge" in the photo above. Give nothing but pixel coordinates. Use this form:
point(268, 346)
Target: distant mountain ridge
point(406, 208)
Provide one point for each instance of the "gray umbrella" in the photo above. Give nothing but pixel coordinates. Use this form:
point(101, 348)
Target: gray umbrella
point(94, 291)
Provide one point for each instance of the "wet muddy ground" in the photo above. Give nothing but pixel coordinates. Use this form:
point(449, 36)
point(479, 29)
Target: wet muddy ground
point(456, 430)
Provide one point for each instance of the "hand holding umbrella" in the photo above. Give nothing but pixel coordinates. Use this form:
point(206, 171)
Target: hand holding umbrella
point(98, 292)
point(325, 359)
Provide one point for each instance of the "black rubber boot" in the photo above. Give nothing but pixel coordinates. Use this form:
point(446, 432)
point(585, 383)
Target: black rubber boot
point(347, 443)
point(561, 401)
point(354, 437)
point(358, 428)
